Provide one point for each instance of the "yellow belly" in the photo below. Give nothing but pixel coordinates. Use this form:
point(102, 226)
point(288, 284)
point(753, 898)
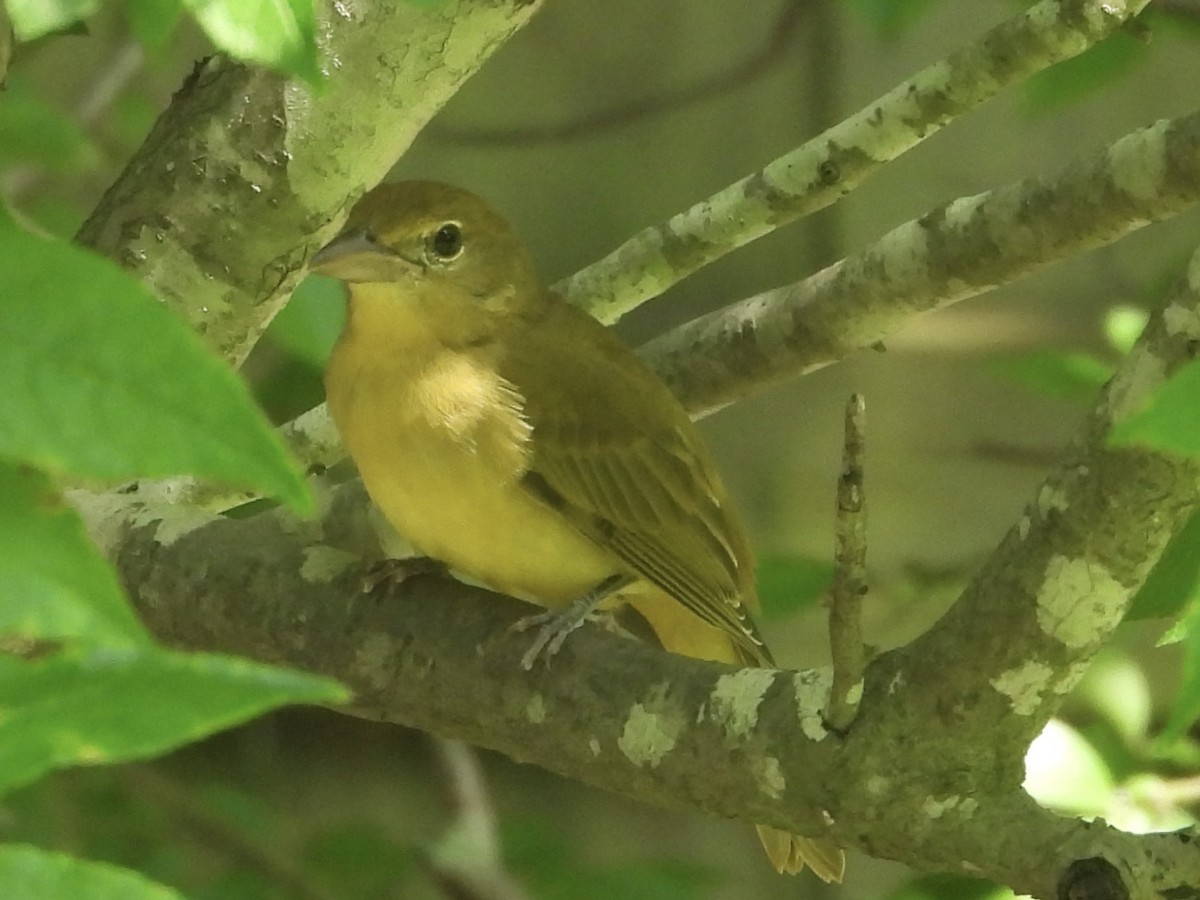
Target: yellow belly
point(441, 455)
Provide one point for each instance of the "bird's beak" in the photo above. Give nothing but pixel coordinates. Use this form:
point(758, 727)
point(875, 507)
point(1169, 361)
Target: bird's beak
point(356, 256)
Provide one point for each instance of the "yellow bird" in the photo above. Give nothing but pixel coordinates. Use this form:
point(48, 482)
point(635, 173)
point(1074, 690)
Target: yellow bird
point(516, 439)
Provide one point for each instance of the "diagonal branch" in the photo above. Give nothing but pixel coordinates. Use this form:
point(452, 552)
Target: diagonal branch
point(958, 250)
point(835, 162)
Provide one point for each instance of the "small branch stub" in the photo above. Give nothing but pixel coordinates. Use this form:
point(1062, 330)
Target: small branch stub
point(850, 573)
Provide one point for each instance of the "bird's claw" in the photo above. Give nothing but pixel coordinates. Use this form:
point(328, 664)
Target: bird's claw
point(553, 628)
point(397, 571)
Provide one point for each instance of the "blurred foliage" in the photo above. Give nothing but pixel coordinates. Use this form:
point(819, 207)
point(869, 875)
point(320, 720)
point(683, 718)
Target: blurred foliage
point(1091, 71)
point(538, 852)
point(789, 585)
point(949, 887)
point(34, 130)
point(890, 19)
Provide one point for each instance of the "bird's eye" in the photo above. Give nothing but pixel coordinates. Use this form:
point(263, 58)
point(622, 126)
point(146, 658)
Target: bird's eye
point(446, 243)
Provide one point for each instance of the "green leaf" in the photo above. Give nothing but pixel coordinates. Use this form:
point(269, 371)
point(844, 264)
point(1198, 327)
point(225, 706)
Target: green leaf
point(35, 18)
point(102, 381)
point(276, 33)
point(1075, 376)
point(53, 582)
point(789, 584)
point(31, 873)
point(1170, 420)
point(1186, 709)
point(87, 707)
point(1174, 581)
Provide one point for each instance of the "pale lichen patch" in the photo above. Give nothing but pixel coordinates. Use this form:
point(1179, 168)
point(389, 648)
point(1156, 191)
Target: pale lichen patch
point(172, 523)
point(1138, 162)
point(373, 659)
point(1141, 374)
point(935, 808)
point(878, 786)
point(651, 729)
point(535, 709)
point(769, 776)
point(734, 701)
point(1024, 686)
point(811, 688)
point(1180, 318)
point(1078, 600)
point(594, 746)
point(1051, 499)
point(323, 563)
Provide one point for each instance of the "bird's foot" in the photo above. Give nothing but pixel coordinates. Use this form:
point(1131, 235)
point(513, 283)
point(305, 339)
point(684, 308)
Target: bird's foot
point(554, 625)
point(397, 571)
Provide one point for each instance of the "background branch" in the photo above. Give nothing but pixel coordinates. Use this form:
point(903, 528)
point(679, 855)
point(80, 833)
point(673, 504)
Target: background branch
point(836, 161)
point(958, 250)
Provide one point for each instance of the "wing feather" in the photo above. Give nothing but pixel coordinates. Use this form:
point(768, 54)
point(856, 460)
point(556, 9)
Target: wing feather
point(617, 456)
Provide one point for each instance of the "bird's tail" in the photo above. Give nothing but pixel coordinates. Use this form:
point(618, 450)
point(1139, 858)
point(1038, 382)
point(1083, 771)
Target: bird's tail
point(789, 853)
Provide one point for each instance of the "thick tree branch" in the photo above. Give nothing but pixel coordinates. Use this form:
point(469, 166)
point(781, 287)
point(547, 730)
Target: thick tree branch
point(929, 772)
point(247, 173)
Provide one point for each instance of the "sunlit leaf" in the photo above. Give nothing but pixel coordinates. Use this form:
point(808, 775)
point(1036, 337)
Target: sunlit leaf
point(30, 873)
point(35, 18)
point(111, 705)
point(277, 33)
point(102, 381)
point(53, 583)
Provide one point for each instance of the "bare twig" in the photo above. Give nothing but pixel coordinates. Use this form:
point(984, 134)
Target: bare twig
point(850, 574)
point(466, 859)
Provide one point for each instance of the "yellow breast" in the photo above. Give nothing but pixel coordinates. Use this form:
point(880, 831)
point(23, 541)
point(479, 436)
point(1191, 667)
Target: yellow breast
point(441, 443)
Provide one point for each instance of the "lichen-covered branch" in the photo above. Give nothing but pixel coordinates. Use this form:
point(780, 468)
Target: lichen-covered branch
point(833, 163)
point(959, 250)
point(247, 172)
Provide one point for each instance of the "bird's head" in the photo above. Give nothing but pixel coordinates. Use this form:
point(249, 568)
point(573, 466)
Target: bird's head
point(436, 240)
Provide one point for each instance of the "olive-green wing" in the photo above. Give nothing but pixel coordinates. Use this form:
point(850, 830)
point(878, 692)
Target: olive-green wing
point(616, 455)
